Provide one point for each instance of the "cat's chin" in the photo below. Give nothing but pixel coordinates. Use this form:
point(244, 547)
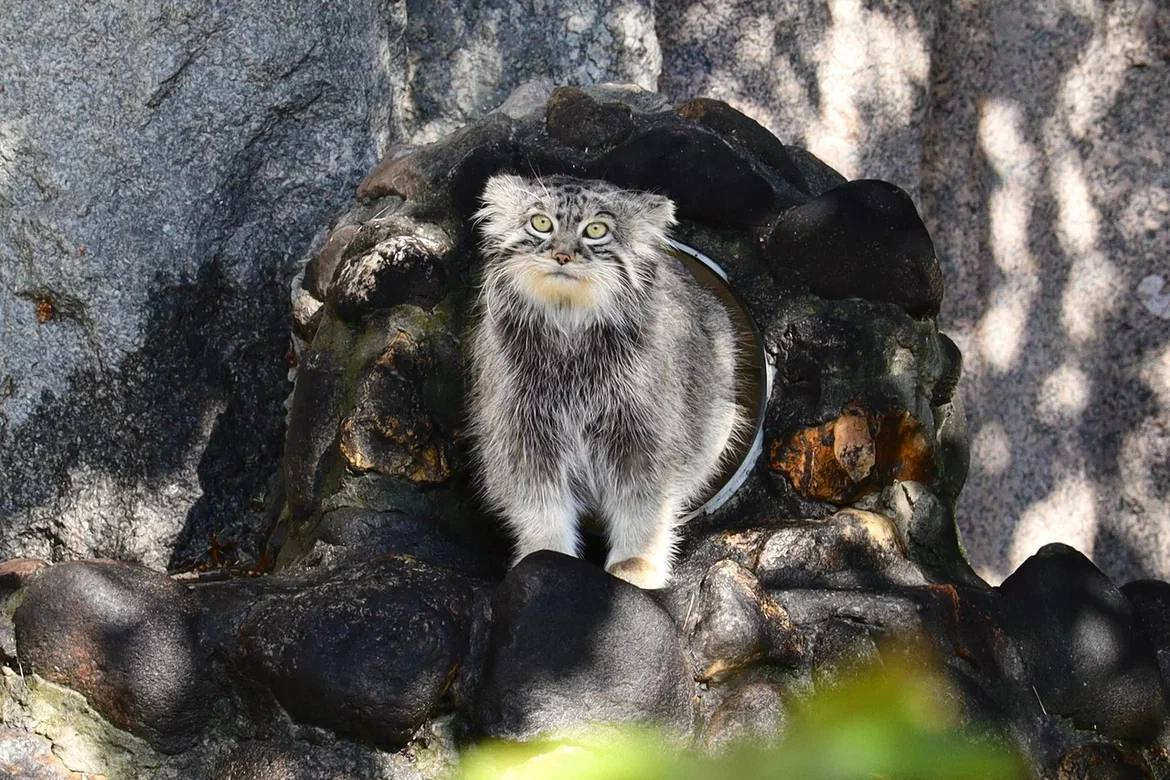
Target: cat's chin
point(561, 290)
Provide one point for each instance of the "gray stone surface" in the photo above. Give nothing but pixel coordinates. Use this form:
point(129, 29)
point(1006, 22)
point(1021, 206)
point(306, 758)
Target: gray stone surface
point(1033, 140)
point(1046, 185)
point(161, 169)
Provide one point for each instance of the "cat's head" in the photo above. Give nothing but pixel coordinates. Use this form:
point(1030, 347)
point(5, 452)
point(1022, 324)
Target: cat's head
point(577, 249)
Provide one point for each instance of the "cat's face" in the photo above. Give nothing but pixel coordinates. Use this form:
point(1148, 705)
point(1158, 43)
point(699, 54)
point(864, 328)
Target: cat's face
point(573, 248)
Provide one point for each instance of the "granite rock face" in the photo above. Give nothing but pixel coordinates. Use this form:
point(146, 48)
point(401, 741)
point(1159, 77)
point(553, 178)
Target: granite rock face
point(162, 167)
point(1028, 137)
point(386, 628)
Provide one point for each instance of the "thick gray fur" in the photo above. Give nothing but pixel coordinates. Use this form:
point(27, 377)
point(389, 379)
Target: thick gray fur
point(604, 384)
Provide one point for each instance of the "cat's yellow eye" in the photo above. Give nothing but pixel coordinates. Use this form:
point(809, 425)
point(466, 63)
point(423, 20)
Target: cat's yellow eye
point(596, 230)
point(541, 223)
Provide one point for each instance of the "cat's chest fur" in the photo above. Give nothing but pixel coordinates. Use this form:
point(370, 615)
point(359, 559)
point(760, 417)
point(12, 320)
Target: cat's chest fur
point(585, 374)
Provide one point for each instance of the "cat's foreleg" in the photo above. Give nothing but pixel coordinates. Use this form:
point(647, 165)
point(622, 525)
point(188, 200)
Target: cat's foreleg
point(642, 527)
point(541, 516)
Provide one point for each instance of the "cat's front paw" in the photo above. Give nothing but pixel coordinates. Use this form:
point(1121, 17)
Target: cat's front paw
point(640, 572)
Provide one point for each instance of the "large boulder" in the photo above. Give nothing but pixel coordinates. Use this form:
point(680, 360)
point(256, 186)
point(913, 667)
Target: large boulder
point(1085, 653)
point(125, 637)
point(572, 646)
point(368, 653)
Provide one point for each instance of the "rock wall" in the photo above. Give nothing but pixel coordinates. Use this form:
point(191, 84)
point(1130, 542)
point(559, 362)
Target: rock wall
point(161, 170)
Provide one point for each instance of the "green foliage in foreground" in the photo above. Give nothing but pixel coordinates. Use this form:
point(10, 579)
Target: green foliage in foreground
point(896, 722)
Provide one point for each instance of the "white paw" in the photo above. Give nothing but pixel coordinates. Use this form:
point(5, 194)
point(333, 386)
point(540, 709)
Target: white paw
point(640, 572)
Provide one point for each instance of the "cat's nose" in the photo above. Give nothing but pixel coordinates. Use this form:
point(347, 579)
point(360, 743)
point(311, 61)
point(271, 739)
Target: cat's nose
point(562, 258)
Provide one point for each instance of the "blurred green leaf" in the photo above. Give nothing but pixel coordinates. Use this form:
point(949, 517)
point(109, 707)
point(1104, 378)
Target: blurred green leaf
point(900, 721)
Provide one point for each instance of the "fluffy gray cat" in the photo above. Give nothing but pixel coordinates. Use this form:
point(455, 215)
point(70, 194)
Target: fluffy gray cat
point(602, 375)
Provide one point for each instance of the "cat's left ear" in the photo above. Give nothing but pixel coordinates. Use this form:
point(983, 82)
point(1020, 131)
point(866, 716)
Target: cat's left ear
point(659, 209)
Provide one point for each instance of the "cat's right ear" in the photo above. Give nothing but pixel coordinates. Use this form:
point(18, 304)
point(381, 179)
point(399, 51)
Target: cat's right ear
point(503, 189)
point(500, 197)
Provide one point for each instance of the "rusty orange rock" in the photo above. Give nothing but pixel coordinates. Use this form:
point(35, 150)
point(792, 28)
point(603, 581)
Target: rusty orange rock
point(853, 445)
point(904, 450)
point(808, 460)
point(856, 453)
point(46, 311)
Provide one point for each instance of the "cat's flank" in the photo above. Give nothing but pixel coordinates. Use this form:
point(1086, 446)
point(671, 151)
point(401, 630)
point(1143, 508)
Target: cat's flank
point(602, 374)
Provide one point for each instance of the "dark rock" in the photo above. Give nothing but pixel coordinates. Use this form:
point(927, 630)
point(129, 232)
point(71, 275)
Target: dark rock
point(696, 559)
point(928, 525)
point(223, 605)
point(642, 101)
point(753, 710)
point(1081, 645)
point(391, 430)
point(258, 761)
point(374, 415)
point(307, 313)
point(369, 652)
point(1151, 604)
point(313, 418)
point(314, 755)
point(818, 176)
point(954, 448)
point(124, 637)
point(708, 180)
point(450, 173)
point(737, 623)
point(366, 534)
point(574, 118)
point(745, 133)
point(15, 574)
point(1102, 761)
point(853, 356)
point(843, 630)
point(391, 261)
point(322, 264)
point(945, 386)
point(853, 548)
point(863, 239)
point(320, 270)
point(571, 645)
point(855, 341)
